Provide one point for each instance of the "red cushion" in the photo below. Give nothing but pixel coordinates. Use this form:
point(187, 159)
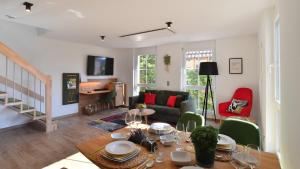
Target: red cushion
point(149, 98)
point(171, 101)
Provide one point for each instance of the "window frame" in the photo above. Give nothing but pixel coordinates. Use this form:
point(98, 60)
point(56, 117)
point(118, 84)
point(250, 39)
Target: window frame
point(277, 78)
point(145, 85)
point(198, 88)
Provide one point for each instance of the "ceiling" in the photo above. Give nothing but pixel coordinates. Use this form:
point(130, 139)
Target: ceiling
point(84, 21)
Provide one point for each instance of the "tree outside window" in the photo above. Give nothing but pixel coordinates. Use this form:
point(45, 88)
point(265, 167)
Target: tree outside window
point(146, 71)
point(194, 83)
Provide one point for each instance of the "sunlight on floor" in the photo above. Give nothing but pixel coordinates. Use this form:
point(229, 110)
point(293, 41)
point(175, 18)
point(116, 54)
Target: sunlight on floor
point(75, 161)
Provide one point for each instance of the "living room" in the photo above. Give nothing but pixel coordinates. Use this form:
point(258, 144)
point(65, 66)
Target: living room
point(56, 38)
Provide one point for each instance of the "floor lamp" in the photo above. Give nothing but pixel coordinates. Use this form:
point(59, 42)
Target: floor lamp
point(208, 68)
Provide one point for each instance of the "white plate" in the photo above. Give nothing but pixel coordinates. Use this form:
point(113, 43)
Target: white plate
point(160, 128)
point(226, 143)
point(120, 147)
point(118, 136)
point(181, 157)
point(121, 159)
point(244, 158)
point(191, 167)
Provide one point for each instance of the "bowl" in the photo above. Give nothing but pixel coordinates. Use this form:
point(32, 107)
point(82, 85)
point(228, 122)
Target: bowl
point(181, 157)
point(167, 140)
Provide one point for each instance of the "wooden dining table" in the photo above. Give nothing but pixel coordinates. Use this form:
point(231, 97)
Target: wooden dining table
point(268, 160)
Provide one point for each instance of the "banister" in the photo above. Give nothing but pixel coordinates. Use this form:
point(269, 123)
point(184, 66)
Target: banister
point(46, 79)
point(12, 55)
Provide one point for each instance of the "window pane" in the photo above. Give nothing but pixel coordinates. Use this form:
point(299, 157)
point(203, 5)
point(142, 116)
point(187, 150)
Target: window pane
point(151, 62)
point(142, 77)
point(150, 76)
point(192, 77)
point(142, 62)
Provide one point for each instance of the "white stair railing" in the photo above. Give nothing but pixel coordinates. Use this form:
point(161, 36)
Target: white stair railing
point(29, 89)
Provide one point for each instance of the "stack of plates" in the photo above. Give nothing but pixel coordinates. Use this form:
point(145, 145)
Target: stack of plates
point(225, 143)
point(120, 151)
point(160, 128)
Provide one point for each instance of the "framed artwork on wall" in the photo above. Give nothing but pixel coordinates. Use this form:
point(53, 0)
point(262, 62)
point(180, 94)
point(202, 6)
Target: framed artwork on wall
point(70, 88)
point(235, 65)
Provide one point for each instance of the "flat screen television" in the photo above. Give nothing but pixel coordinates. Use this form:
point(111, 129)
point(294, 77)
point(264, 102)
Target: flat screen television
point(100, 66)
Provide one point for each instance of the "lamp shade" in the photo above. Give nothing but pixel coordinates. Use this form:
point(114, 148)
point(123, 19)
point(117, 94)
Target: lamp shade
point(208, 68)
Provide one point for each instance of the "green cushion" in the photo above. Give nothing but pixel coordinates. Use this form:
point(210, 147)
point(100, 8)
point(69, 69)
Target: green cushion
point(242, 131)
point(187, 116)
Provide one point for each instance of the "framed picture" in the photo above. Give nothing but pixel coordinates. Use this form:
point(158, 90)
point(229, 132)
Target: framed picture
point(235, 65)
point(70, 89)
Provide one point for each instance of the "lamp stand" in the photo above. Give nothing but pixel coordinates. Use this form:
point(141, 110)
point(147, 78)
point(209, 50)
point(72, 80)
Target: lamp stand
point(205, 102)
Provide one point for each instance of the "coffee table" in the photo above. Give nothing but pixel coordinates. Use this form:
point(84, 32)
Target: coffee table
point(144, 112)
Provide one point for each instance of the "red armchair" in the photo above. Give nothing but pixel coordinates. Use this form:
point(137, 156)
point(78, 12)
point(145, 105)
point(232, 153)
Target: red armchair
point(241, 94)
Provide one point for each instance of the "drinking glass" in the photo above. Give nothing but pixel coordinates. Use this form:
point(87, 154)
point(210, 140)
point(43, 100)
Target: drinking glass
point(254, 155)
point(179, 129)
point(191, 125)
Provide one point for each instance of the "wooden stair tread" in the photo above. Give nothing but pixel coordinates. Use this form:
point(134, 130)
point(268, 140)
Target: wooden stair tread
point(25, 107)
point(10, 101)
point(38, 116)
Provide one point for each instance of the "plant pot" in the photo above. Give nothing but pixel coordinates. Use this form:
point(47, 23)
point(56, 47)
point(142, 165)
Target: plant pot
point(205, 158)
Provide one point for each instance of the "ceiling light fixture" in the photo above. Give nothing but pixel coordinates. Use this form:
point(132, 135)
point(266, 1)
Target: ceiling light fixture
point(152, 30)
point(28, 6)
point(169, 25)
point(102, 37)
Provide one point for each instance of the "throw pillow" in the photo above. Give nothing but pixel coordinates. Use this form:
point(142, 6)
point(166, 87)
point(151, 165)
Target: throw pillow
point(237, 106)
point(150, 98)
point(171, 101)
point(179, 99)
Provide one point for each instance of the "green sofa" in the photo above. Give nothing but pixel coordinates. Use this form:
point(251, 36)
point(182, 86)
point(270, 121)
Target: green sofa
point(164, 113)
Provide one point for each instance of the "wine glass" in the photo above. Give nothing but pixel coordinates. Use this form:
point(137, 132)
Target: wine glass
point(254, 155)
point(179, 128)
point(138, 118)
point(191, 125)
point(129, 119)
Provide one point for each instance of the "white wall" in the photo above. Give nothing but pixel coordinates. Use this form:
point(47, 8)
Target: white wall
point(54, 58)
point(245, 47)
point(238, 47)
point(290, 69)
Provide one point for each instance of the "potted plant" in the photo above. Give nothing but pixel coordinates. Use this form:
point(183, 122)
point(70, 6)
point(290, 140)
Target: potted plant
point(141, 106)
point(205, 141)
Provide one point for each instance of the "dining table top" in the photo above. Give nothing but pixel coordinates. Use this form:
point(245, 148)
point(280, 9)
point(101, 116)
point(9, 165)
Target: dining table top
point(268, 160)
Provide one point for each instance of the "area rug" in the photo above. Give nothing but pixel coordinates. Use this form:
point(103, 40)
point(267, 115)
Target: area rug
point(110, 123)
point(105, 125)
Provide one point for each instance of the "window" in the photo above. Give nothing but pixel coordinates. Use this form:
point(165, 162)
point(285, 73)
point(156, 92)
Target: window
point(146, 71)
point(277, 61)
point(194, 83)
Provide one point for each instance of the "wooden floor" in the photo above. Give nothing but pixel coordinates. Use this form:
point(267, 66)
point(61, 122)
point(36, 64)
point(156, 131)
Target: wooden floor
point(29, 148)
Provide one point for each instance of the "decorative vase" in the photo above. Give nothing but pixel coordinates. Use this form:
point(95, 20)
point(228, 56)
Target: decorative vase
point(204, 158)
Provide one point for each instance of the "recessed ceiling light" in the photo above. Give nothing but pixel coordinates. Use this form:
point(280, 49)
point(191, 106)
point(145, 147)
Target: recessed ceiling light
point(169, 25)
point(102, 37)
point(28, 6)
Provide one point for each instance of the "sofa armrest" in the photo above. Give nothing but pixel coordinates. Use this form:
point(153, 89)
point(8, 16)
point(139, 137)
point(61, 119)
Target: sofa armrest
point(133, 100)
point(188, 105)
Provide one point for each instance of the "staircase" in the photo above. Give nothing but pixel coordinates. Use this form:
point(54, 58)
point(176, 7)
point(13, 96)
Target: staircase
point(25, 89)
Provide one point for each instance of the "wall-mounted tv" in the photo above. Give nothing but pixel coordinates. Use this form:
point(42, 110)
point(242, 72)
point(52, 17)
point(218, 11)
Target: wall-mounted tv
point(100, 66)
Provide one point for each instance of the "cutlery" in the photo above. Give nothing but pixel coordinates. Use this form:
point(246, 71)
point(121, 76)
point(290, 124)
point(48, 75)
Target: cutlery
point(149, 164)
point(141, 165)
